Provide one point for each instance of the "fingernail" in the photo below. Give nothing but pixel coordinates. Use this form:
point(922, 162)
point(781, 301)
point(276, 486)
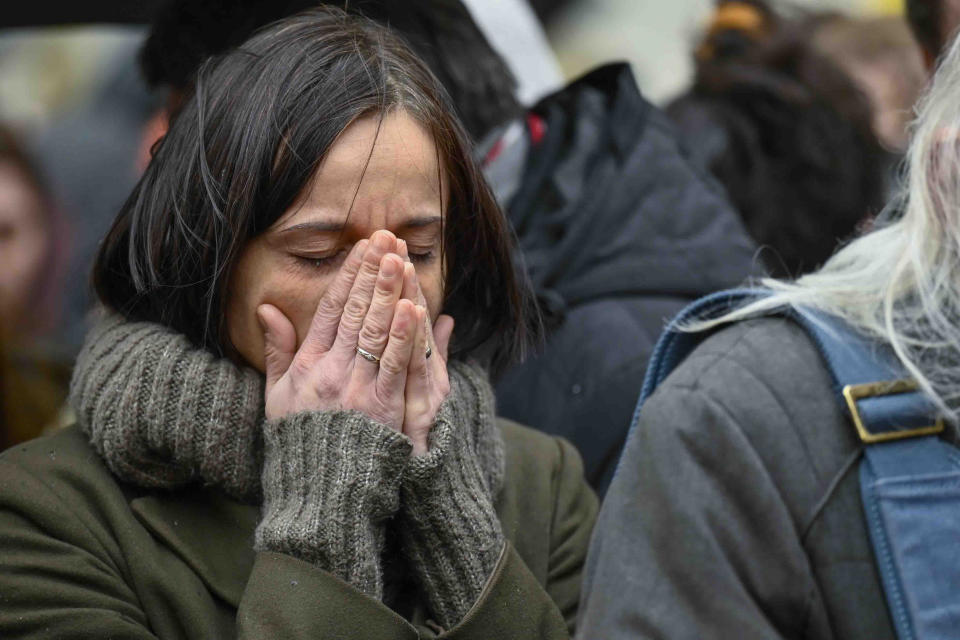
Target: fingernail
point(361, 247)
point(383, 240)
point(402, 249)
point(389, 267)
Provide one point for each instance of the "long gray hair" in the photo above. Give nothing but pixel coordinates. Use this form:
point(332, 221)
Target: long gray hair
point(901, 282)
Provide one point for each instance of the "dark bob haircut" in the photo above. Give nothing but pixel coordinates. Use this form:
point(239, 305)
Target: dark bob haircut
point(441, 32)
point(244, 147)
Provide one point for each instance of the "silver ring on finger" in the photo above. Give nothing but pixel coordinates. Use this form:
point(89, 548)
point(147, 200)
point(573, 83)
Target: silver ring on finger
point(366, 355)
point(429, 351)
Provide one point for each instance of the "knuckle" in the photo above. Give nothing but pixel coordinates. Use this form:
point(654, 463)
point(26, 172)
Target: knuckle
point(328, 308)
point(399, 334)
point(372, 332)
point(384, 288)
point(326, 386)
point(371, 263)
point(354, 310)
point(391, 365)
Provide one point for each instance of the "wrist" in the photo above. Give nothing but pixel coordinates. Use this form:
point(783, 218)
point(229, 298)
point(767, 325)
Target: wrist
point(330, 481)
point(452, 533)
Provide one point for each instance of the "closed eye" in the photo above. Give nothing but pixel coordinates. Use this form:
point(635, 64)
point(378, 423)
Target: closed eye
point(321, 263)
point(422, 258)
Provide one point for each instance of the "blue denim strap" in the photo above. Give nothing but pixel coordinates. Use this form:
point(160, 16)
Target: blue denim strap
point(854, 359)
point(910, 488)
point(911, 498)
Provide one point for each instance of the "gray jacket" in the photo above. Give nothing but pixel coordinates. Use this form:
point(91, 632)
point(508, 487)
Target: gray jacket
point(735, 512)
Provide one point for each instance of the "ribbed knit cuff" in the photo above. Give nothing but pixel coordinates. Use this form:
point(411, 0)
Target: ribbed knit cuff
point(451, 531)
point(330, 480)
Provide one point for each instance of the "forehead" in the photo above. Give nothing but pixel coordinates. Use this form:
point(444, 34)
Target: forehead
point(381, 172)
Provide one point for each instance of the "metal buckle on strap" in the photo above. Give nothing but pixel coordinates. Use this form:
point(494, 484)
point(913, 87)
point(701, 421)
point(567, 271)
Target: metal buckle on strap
point(855, 392)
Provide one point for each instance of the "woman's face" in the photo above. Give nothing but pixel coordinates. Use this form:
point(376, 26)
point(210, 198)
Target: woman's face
point(384, 180)
point(24, 240)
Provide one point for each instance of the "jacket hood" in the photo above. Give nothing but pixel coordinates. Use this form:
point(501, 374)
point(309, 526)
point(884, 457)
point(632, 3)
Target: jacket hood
point(610, 204)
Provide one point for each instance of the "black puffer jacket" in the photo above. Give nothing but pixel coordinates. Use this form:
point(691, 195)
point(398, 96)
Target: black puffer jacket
point(619, 230)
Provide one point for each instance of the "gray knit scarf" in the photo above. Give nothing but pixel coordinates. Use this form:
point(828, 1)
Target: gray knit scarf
point(163, 413)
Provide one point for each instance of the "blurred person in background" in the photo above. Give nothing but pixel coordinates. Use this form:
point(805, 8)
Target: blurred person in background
point(934, 23)
point(91, 155)
point(884, 61)
point(738, 510)
point(280, 433)
point(33, 377)
point(618, 229)
point(787, 132)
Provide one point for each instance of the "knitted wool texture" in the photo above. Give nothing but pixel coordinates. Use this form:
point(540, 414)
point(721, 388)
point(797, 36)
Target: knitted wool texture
point(330, 482)
point(450, 531)
point(165, 414)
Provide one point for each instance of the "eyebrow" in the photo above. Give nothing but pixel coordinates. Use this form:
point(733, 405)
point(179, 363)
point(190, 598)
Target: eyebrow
point(319, 226)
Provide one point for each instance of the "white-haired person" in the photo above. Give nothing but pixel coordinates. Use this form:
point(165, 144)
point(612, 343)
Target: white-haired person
point(737, 510)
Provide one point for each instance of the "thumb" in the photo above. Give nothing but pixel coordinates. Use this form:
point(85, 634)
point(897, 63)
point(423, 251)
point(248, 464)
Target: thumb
point(442, 331)
point(279, 342)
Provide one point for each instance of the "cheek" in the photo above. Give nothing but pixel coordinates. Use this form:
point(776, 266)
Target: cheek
point(431, 283)
point(295, 294)
point(297, 299)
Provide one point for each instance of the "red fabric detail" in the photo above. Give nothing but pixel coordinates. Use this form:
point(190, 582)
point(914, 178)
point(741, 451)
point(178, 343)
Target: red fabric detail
point(537, 127)
point(494, 152)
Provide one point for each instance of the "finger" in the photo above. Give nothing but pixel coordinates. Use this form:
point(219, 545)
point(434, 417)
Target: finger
point(420, 299)
point(402, 250)
point(437, 371)
point(418, 376)
point(323, 327)
point(376, 324)
point(361, 293)
point(279, 342)
point(410, 284)
point(418, 399)
point(413, 292)
point(395, 363)
point(442, 332)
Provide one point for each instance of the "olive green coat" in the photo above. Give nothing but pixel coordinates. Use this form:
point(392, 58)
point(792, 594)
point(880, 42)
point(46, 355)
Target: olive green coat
point(83, 556)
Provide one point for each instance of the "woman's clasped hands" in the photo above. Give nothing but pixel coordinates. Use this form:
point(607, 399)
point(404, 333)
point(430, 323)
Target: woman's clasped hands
point(374, 307)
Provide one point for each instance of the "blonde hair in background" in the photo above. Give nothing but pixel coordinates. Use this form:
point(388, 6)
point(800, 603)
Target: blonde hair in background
point(901, 282)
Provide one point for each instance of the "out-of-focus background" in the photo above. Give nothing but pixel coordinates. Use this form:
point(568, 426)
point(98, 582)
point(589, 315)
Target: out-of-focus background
point(45, 73)
point(76, 117)
point(655, 36)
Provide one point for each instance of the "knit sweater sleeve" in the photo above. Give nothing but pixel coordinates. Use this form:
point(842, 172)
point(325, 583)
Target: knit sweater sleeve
point(451, 531)
point(330, 481)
